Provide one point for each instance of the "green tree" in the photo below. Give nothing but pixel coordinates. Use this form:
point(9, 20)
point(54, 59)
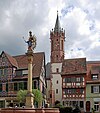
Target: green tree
point(21, 96)
point(37, 95)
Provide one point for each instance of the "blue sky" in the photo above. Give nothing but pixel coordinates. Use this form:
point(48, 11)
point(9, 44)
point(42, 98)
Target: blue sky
point(79, 18)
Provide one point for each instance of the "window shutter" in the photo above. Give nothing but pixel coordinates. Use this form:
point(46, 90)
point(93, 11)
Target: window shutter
point(91, 89)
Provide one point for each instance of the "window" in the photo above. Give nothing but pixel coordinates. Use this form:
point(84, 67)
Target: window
point(96, 106)
point(2, 104)
point(7, 87)
point(18, 73)
point(35, 84)
point(57, 82)
point(25, 72)
point(25, 85)
point(56, 91)
point(81, 104)
point(68, 80)
point(57, 57)
point(73, 79)
point(62, 47)
point(73, 91)
point(81, 79)
point(1, 72)
point(78, 79)
point(81, 91)
point(0, 87)
point(50, 95)
point(21, 85)
point(94, 76)
point(5, 71)
point(95, 89)
point(15, 86)
point(69, 91)
point(51, 45)
point(57, 70)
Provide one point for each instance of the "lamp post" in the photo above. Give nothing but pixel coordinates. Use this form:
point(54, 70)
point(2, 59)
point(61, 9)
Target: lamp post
point(31, 45)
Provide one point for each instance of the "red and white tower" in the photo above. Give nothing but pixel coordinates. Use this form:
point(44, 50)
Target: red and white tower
point(57, 37)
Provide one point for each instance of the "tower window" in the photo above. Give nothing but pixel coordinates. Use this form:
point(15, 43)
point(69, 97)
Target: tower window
point(62, 44)
point(56, 91)
point(52, 45)
point(57, 57)
point(57, 82)
point(57, 70)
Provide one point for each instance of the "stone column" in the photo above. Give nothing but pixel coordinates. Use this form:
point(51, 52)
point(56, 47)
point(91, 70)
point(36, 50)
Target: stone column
point(31, 45)
point(30, 96)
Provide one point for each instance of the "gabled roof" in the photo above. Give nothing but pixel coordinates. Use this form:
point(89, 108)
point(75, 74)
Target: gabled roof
point(93, 66)
point(74, 66)
point(95, 69)
point(11, 59)
point(38, 59)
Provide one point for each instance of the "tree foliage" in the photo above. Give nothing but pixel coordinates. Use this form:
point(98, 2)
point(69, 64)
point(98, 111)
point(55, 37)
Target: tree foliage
point(21, 95)
point(37, 95)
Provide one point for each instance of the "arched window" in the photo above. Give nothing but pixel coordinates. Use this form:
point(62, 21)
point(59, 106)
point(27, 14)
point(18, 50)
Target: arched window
point(57, 57)
point(62, 45)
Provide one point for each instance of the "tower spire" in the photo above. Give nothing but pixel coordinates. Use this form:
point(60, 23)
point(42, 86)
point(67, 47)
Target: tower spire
point(57, 24)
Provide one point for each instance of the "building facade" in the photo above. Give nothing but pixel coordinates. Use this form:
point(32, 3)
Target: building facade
point(73, 81)
point(93, 86)
point(14, 75)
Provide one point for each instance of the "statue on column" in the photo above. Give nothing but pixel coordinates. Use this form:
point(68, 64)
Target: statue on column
point(31, 42)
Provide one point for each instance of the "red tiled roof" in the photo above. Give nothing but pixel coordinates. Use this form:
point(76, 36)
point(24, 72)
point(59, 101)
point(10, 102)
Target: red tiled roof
point(37, 62)
point(93, 62)
point(11, 60)
point(74, 66)
point(95, 69)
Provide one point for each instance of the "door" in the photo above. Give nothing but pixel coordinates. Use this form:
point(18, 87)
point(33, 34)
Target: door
point(87, 106)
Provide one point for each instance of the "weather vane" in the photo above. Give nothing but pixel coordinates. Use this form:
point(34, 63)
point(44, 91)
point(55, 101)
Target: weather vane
point(31, 41)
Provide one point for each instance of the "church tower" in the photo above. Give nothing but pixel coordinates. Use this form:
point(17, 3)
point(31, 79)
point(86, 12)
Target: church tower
point(57, 36)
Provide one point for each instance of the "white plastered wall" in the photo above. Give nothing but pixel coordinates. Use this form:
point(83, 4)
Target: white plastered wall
point(57, 77)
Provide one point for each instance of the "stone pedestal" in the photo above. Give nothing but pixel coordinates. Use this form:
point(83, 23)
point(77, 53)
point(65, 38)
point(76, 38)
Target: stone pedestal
point(29, 100)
